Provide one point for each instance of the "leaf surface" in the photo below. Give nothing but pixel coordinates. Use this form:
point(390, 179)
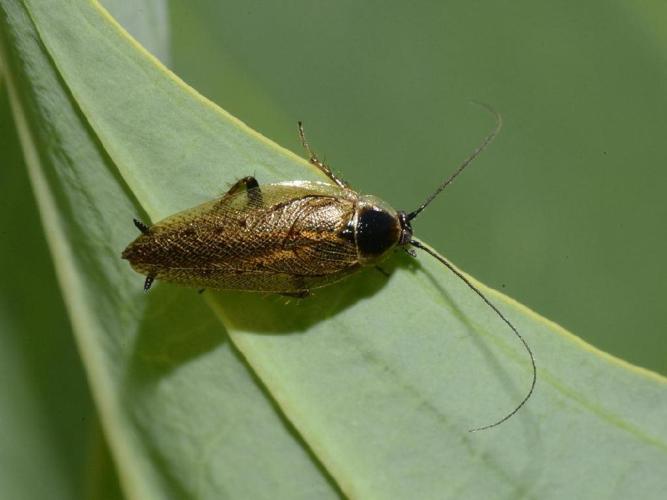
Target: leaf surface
point(46, 414)
point(380, 378)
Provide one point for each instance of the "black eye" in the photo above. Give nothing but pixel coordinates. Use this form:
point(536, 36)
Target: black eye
point(377, 232)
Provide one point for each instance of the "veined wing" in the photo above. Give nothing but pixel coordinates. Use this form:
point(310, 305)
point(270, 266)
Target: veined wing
point(281, 237)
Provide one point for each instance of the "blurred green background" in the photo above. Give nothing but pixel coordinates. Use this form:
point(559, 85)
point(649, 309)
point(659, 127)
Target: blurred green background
point(565, 212)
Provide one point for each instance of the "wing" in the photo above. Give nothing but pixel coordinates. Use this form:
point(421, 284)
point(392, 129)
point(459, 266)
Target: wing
point(279, 237)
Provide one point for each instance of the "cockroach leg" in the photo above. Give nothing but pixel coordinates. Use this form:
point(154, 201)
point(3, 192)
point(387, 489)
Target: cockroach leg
point(251, 186)
point(312, 157)
point(148, 282)
point(382, 271)
point(141, 226)
point(248, 182)
point(301, 294)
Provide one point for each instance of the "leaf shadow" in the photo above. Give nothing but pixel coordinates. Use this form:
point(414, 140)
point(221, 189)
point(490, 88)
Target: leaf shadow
point(176, 327)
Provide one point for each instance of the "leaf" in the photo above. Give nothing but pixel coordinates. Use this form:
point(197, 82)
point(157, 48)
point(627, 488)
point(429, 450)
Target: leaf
point(148, 361)
point(46, 411)
point(380, 377)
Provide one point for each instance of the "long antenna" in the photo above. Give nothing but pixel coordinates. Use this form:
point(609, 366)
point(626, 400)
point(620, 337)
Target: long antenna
point(490, 304)
point(487, 140)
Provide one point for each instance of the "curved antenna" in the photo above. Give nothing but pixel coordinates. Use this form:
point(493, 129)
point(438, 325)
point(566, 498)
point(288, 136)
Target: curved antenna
point(487, 140)
point(490, 304)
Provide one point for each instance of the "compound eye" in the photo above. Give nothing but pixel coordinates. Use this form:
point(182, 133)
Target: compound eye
point(377, 232)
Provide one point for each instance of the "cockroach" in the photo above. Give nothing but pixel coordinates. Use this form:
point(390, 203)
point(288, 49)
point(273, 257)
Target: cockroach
point(289, 238)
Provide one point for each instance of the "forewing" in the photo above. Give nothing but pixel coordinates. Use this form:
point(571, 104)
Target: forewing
point(282, 237)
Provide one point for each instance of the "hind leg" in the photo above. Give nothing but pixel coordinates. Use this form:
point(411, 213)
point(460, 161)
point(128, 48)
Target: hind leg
point(251, 187)
point(149, 282)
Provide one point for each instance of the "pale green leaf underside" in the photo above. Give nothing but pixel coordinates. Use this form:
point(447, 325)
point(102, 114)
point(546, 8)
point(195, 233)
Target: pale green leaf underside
point(381, 378)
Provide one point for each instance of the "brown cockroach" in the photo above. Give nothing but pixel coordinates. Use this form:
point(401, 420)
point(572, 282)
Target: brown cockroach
point(288, 238)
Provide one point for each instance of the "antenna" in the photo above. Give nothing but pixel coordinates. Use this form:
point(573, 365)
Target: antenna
point(458, 273)
point(487, 140)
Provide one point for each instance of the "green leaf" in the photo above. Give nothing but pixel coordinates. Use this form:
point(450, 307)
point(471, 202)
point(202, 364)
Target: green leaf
point(46, 414)
point(183, 415)
point(367, 388)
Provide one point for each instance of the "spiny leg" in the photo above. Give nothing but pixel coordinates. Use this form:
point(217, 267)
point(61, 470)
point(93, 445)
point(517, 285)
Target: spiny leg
point(141, 226)
point(299, 288)
point(382, 271)
point(251, 186)
point(301, 294)
point(148, 282)
point(314, 160)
